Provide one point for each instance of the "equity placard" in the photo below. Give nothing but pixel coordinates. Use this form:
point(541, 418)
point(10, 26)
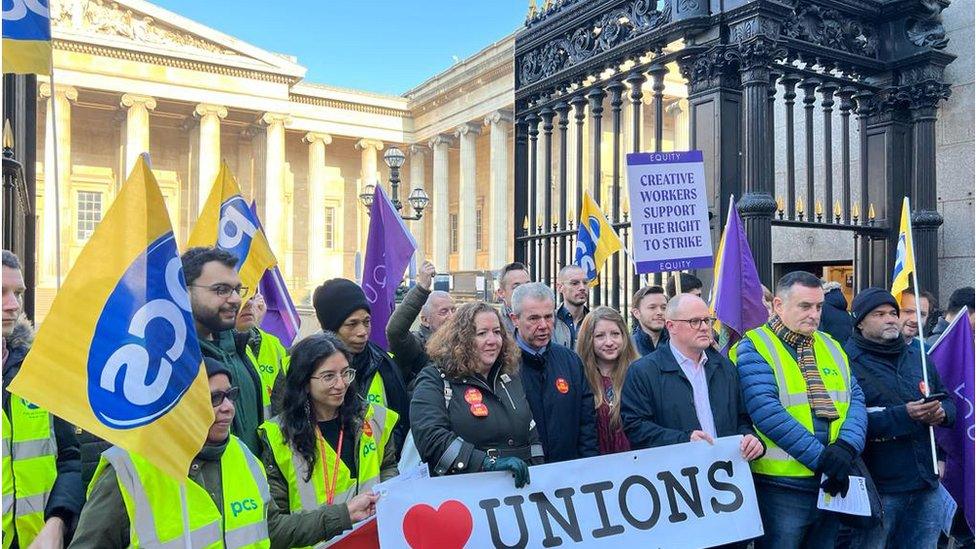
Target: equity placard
point(688, 495)
point(669, 211)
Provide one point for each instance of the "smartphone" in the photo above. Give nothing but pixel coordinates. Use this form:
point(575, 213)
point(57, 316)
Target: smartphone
point(935, 396)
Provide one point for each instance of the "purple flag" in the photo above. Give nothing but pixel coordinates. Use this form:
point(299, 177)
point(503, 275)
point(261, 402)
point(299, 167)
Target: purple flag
point(954, 358)
point(737, 296)
point(389, 248)
point(282, 319)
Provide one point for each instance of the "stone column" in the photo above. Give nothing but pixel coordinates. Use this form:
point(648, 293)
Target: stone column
point(136, 128)
point(498, 237)
point(274, 176)
point(439, 197)
point(316, 200)
point(467, 242)
point(418, 167)
point(368, 175)
point(208, 156)
point(59, 103)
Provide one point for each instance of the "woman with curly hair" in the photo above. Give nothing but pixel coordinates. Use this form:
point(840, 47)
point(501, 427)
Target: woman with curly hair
point(468, 410)
point(328, 446)
point(607, 352)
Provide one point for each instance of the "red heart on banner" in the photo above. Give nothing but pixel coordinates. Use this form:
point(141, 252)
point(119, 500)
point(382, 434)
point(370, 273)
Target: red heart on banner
point(447, 527)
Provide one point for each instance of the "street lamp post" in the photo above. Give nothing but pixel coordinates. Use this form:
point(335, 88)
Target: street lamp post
point(418, 198)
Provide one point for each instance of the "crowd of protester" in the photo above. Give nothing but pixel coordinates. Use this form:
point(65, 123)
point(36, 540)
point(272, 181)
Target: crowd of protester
point(820, 392)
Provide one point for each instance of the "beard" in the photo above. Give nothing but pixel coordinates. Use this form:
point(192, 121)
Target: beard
point(211, 320)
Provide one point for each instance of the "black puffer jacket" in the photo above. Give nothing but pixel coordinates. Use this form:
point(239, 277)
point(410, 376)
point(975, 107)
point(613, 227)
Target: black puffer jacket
point(375, 361)
point(67, 495)
point(452, 439)
point(835, 320)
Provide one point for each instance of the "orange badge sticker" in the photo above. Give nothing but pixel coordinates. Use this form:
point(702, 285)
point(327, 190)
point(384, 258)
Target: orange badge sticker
point(479, 410)
point(367, 429)
point(472, 396)
point(562, 386)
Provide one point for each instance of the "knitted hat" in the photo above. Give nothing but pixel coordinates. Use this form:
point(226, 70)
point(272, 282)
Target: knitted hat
point(335, 300)
point(870, 299)
point(215, 367)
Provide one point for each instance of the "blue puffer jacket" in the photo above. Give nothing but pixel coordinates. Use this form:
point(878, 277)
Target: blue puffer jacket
point(761, 397)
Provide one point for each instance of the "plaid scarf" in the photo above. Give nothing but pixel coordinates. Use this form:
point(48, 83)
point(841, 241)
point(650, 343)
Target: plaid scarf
point(820, 401)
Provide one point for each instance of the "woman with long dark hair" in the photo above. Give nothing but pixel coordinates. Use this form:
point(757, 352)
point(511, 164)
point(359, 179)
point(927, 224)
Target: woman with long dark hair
point(469, 411)
point(328, 445)
point(606, 351)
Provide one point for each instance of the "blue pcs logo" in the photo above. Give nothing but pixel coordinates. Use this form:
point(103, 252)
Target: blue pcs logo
point(144, 354)
point(587, 238)
point(236, 228)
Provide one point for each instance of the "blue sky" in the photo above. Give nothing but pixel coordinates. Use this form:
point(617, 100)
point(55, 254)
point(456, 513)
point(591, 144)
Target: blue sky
point(385, 46)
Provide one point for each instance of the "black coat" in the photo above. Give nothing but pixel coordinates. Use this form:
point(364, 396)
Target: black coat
point(657, 405)
point(67, 494)
point(898, 451)
point(451, 439)
point(835, 320)
point(566, 421)
point(375, 361)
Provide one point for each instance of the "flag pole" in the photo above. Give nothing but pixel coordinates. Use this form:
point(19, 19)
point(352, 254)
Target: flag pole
point(56, 169)
point(921, 339)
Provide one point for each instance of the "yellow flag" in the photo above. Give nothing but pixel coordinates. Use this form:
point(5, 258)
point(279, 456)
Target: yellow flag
point(26, 37)
point(118, 355)
point(595, 241)
point(905, 255)
point(228, 223)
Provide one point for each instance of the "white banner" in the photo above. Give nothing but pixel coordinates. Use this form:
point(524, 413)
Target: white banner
point(686, 495)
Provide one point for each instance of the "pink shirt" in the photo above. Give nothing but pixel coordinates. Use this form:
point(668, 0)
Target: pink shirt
point(695, 372)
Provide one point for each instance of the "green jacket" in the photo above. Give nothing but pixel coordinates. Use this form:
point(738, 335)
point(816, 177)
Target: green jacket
point(104, 523)
point(230, 348)
point(408, 348)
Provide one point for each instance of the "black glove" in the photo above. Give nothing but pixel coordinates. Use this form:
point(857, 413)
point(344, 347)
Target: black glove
point(519, 469)
point(835, 464)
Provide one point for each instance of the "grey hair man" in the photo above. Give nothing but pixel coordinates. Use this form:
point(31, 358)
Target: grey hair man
point(434, 307)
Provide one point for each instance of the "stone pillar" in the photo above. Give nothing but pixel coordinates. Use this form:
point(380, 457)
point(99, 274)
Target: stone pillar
point(418, 167)
point(467, 243)
point(368, 175)
point(60, 101)
point(316, 200)
point(274, 180)
point(440, 144)
point(136, 128)
point(498, 238)
point(208, 155)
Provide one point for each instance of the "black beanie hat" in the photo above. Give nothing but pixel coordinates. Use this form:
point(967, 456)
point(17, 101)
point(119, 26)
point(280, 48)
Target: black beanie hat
point(870, 299)
point(216, 367)
point(335, 300)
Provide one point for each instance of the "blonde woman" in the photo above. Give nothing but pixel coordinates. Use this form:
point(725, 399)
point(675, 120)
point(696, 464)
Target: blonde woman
point(607, 352)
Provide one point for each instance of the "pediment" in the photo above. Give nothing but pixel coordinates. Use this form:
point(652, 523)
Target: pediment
point(142, 26)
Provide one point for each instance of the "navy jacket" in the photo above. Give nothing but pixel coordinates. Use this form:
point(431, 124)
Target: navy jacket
point(566, 421)
point(898, 451)
point(644, 343)
point(761, 397)
point(835, 320)
point(657, 405)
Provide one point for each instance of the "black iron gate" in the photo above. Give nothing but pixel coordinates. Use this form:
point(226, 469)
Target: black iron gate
point(744, 64)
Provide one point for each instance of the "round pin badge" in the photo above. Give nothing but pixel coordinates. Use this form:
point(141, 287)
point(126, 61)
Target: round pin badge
point(479, 410)
point(473, 396)
point(562, 385)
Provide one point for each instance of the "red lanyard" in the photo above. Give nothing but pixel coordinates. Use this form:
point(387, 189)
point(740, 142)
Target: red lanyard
point(330, 488)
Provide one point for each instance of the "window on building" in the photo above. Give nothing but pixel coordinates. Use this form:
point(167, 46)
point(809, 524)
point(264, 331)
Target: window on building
point(454, 233)
point(329, 228)
point(89, 213)
point(479, 239)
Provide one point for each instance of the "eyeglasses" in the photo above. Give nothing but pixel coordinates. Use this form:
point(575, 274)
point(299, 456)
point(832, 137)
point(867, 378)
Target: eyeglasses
point(330, 378)
point(217, 397)
point(224, 290)
point(696, 323)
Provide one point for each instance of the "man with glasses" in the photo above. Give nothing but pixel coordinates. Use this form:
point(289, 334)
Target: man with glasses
point(215, 298)
point(809, 412)
point(133, 503)
point(685, 390)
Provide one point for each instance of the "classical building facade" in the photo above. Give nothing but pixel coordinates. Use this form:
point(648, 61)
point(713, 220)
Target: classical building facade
point(133, 77)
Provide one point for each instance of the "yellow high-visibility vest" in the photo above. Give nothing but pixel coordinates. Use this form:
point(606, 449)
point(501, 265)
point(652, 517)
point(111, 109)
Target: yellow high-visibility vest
point(271, 360)
point(152, 502)
point(836, 375)
point(29, 470)
point(310, 494)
